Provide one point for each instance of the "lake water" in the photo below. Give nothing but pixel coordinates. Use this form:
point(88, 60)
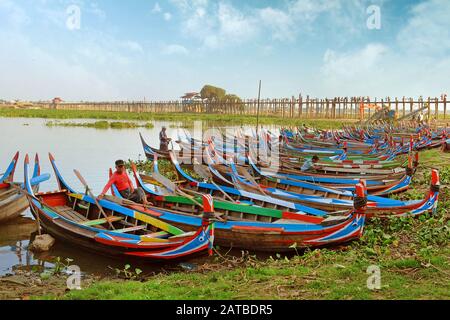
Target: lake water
point(92, 152)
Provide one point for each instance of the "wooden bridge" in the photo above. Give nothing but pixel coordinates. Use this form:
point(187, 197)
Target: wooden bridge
point(303, 107)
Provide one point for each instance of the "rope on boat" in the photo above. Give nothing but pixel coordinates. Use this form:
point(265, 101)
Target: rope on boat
point(435, 187)
point(359, 202)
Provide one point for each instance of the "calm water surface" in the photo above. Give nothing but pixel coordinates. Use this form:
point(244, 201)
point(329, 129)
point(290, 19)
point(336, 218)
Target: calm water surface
point(92, 152)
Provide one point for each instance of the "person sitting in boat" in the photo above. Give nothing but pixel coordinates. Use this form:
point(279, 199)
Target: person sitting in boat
point(310, 164)
point(123, 183)
point(163, 140)
point(420, 119)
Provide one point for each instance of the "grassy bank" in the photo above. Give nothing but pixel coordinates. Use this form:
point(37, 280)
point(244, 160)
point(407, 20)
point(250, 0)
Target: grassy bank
point(412, 254)
point(100, 124)
point(185, 119)
point(318, 275)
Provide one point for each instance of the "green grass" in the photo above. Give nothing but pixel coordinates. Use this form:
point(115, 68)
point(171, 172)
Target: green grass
point(183, 119)
point(103, 124)
point(322, 274)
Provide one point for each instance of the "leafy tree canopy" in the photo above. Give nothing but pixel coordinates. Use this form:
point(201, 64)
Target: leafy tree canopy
point(212, 93)
point(231, 97)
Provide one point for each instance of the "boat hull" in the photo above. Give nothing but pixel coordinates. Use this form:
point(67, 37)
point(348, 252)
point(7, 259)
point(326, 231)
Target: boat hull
point(12, 207)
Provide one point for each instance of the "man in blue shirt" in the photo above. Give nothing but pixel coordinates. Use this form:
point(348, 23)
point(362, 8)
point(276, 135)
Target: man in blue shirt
point(308, 165)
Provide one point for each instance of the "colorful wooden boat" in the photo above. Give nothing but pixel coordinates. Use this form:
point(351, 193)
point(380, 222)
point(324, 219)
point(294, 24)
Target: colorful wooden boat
point(150, 151)
point(76, 219)
point(258, 228)
point(314, 196)
point(333, 199)
point(12, 201)
point(377, 186)
point(223, 192)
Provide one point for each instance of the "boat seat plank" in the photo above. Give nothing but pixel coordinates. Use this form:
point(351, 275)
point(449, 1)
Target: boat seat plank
point(101, 221)
point(8, 193)
point(288, 221)
point(69, 213)
point(131, 229)
point(156, 234)
point(186, 234)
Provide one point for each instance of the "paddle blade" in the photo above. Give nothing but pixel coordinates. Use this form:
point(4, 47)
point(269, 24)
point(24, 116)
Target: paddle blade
point(200, 170)
point(80, 177)
point(363, 182)
point(164, 181)
point(208, 203)
point(360, 190)
point(435, 177)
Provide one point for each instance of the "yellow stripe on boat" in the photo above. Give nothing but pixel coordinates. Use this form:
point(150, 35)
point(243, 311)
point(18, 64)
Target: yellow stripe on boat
point(158, 223)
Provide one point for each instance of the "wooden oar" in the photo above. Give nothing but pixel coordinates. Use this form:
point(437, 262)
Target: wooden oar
point(175, 189)
point(172, 187)
point(88, 190)
point(252, 180)
point(127, 202)
point(147, 219)
point(207, 175)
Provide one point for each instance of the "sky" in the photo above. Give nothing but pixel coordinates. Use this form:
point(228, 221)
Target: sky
point(105, 50)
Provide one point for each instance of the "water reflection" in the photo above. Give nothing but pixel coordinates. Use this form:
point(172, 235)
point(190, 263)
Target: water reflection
point(15, 238)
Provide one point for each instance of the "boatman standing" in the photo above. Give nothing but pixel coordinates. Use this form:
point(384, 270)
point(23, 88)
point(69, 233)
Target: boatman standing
point(124, 185)
point(309, 164)
point(163, 140)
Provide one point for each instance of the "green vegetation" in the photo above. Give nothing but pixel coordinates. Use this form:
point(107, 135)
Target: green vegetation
point(212, 93)
point(165, 167)
point(101, 124)
point(411, 269)
point(413, 256)
point(186, 119)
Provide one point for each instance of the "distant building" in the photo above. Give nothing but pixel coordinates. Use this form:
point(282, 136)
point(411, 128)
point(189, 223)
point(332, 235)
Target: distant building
point(191, 97)
point(56, 101)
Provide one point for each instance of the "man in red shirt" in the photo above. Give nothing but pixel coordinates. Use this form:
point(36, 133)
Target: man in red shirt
point(124, 185)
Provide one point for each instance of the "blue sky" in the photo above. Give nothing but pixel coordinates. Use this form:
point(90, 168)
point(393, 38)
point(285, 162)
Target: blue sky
point(128, 50)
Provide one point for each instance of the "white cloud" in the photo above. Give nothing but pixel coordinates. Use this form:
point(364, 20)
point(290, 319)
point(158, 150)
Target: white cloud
point(349, 65)
point(94, 9)
point(281, 23)
point(216, 24)
point(416, 64)
point(235, 25)
point(188, 5)
point(12, 15)
point(167, 16)
point(156, 8)
point(428, 30)
point(131, 45)
point(46, 76)
point(175, 49)
point(306, 11)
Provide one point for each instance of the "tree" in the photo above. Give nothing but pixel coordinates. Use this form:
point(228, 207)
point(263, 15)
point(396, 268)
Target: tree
point(234, 101)
point(231, 98)
point(212, 93)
